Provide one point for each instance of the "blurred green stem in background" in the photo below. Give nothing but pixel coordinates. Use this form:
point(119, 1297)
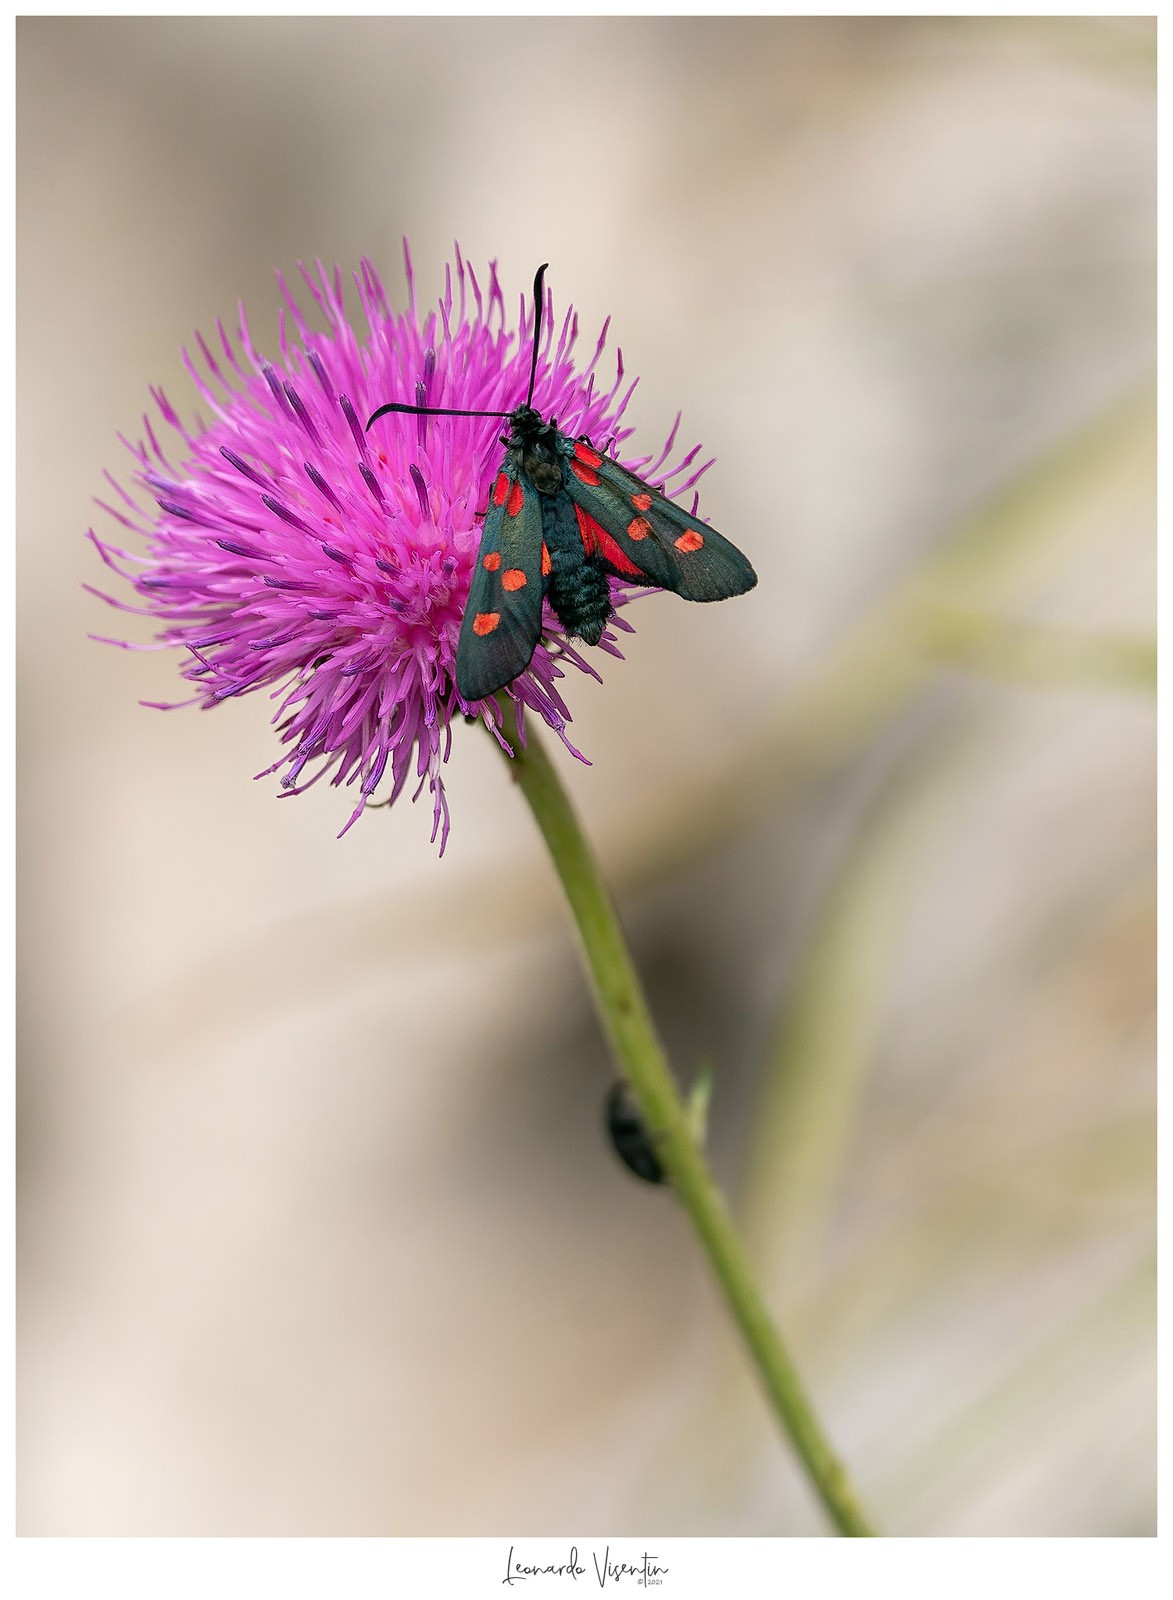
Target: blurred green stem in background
point(817, 1061)
point(632, 1035)
point(944, 613)
point(1026, 652)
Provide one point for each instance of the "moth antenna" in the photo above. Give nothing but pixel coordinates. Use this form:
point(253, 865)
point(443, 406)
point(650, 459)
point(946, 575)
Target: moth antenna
point(533, 368)
point(426, 411)
point(443, 411)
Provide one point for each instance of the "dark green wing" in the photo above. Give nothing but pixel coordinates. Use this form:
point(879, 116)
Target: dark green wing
point(503, 618)
point(658, 537)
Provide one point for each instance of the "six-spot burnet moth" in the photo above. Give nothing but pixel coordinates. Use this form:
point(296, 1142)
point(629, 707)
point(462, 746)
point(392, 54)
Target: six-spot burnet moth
point(562, 518)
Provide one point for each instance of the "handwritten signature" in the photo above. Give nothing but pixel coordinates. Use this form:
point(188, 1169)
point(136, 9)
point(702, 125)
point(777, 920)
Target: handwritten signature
point(645, 1572)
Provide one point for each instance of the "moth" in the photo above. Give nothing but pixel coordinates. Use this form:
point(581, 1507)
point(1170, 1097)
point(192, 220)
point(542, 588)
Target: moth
point(563, 518)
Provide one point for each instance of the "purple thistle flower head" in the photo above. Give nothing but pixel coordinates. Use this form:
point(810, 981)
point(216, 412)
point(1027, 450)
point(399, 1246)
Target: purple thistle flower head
point(289, 550)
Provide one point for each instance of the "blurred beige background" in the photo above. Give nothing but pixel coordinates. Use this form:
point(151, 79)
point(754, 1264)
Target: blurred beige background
point(318, 1230)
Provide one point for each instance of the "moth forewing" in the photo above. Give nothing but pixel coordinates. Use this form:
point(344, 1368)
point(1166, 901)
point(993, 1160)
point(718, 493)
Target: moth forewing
point(673, 548)
point(503, 618)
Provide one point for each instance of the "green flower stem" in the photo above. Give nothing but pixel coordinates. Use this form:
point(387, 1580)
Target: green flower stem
point(633, 1037)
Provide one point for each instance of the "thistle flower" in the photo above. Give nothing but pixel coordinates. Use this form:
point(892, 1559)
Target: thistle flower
point(290, 551)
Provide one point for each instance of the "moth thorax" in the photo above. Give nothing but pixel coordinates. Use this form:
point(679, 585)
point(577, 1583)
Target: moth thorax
point(546, 476)
point(542, 466)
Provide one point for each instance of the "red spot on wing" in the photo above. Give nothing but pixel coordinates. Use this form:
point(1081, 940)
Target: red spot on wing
point(492, 561)
point(638, 528)
point(516, 500)
point(546, 558)
point(584, 453)
point(689, 541)
point(584, 474)
point(642, 502)
point(500, 489)
point(484, 622)
point(596, 541)
point(513, 578)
